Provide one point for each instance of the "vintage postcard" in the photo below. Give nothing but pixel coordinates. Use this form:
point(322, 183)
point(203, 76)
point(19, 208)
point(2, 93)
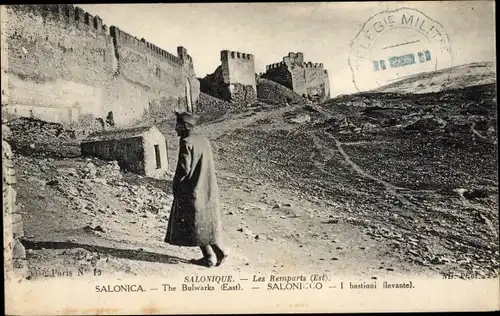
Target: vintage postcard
point(240, 158)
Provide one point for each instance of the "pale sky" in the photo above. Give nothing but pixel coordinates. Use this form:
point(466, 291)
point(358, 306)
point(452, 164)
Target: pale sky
point(322, 31)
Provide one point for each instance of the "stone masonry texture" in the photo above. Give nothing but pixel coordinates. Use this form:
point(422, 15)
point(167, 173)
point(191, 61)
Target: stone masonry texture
point(234, 80)
point(305, 78)
point(12, 217)
point(64, 64)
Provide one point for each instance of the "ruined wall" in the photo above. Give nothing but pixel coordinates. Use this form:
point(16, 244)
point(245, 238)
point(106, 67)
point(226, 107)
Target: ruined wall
point(148, 75)
point(314, 80)
point(58, 60)
point(279, 73)
point(214, 85)
point(299, 83)
point(294, 59)
point(234, 80)
point(192, 87)
point(304, 78)
point(64, 64)
point(326, 82)
point(296, 66)
point(14, 251)
point(129, 153)
point(238, 68)
point(135, 153)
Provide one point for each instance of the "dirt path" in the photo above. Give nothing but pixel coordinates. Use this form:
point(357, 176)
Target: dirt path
point(267, 228)
point(391, 188)
point(242, 120)
point(328, 152)
point(361, 143)
point(481, 137)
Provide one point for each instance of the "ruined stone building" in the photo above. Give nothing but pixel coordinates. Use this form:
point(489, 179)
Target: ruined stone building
point(142, 150)
point(305, 78)
point(64, 65)
point(234, 80)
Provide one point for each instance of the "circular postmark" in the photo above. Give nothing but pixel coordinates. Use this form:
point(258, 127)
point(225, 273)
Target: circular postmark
point(397, 44)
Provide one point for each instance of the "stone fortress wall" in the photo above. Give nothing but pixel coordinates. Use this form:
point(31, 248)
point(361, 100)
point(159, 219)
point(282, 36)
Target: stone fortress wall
point(61, 64)
point(305, 78)
point(65, 65)
point(234, 80)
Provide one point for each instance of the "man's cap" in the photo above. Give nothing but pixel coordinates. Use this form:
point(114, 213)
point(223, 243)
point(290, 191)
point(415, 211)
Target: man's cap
point(185, 118)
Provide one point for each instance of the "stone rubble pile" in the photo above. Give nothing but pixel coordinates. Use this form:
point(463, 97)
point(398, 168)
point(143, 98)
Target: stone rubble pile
point(242, 95)
point(92, 186)
point(33, 136)
point(211, 108)
point(274, 93)
point(208, 104)
point(33, 130)
point(109, 170)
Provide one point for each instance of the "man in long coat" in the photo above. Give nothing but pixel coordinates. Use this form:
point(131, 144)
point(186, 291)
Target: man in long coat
point(195, 216)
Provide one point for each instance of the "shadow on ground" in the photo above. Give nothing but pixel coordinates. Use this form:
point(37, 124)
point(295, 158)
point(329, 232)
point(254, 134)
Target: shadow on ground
point(130, 254)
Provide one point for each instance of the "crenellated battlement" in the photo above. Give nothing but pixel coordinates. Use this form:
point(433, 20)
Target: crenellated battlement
point(234, 79)
point(305, 65)
point(227, 54)
point(85, 70)
point(297, 55)
point(72, 15)
point(183, 55)
point(312, 65)
point(76, 15)
point(125, 38)
point(305, 78)
point(275, 65)
point(294, 58)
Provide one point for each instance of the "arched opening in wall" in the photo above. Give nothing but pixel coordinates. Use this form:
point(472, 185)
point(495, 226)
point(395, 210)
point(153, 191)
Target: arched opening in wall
point(189, 102)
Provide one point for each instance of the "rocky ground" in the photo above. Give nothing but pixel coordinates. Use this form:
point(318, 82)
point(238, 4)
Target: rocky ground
point(370, 185)
point(416, 175)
